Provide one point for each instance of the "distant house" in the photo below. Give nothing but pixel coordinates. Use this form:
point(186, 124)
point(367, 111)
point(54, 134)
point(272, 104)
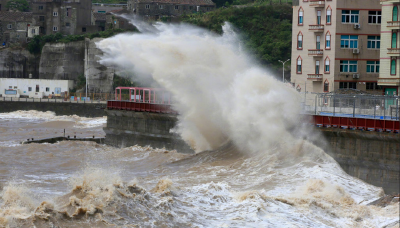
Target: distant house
point(14, 26)
point(99, 20)
point(68, 17)
point(34, 88)
point(155, 9)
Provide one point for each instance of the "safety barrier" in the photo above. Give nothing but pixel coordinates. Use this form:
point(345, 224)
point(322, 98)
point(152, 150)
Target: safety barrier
point(357, 123)
point(140, 107)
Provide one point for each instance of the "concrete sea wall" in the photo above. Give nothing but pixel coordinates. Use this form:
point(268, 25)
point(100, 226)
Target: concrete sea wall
point(370, 156)
point(85, 110)
point(127, 128)
point(18, 64)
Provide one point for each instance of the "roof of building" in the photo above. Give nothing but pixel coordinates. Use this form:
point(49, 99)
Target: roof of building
point(99, 16)
point(181, 2)
point(15, 16)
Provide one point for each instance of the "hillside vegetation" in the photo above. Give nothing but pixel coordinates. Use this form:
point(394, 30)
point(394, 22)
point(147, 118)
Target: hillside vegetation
point(266, 29)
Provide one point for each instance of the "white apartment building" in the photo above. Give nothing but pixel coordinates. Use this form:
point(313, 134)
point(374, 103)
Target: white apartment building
point(336, 45)
point(389, 75)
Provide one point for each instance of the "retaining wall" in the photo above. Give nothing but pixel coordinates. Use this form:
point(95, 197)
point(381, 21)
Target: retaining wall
point(85, 110)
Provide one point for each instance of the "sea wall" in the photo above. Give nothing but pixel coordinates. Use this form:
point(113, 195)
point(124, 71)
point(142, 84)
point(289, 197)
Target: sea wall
point(370, 156)
point(127, 128)
point(85, 110)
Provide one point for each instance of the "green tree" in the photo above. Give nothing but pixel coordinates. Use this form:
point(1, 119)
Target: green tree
point(20, 5)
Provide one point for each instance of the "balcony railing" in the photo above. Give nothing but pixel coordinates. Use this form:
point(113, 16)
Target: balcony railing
point(393, 51)
point(314, 77)
point(317, 3)
point(395, 24)
point(315, 52)
point(316, 28)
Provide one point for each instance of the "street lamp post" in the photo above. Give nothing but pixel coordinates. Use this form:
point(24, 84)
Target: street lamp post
point(283, 70)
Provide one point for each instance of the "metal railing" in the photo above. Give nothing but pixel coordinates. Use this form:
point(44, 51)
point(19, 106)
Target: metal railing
point(353, 105)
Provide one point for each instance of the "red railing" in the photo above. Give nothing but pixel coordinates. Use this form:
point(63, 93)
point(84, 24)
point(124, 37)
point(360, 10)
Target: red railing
point(357, 123)
point(140, 107)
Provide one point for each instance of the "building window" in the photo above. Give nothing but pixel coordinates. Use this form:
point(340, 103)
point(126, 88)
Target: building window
point(29, 89)
point(374, 42)
point(298, 88)
point(37, 88)
point(372, 66)
point(316, 67)
point(328, 15)
point(394, 40)
point(83, 29)
point(33, 31)
point(55, 28)
point(327, 65)
point(318, 17)
point(47, 89)
point(328, 40)
point(41, 18)
point(318, 43)
point(161, 6)
point(9, 26)
point(40, 7)
point(349, 41)
point(348, 66)
point(300, 41)
point(67, 24)
point(349, 85)
point(326, 86)
point(370, 85)
point(147, 6)
point(350, 16)
point(190, 7)
point(55, 14)
point(176, 7)
point(68, 12)
point(301, 16)
point(374, 17)
point(395, 13)
point(393, 67)
point(299, 62)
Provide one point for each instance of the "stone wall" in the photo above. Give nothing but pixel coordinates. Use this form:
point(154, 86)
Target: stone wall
point(18, 64)
point(62, 60)
point(100, 77)
point(370, 156)
point(85, 110)
point(127, 128)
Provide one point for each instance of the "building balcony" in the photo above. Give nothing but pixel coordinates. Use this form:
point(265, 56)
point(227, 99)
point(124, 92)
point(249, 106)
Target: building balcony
point(314, 77)
point(393, 24)
point(395, 81)
point(394, 51)
point(316, 52)
point(316, 28)
point(317, 3)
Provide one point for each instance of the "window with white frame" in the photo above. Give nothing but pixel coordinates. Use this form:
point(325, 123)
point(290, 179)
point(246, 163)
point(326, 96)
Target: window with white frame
point(298, 69)
point(328, 16)
point(317, 67)
point(33, 31)
point(55, 28)
point(350, 16)
point(9, 26)
point(176, 7)
point(327, 65)
point(328, 41)
point(372, 66)
point(301, 16)
point(161, 6)
point(318, 43)
point(374, 42)
point(374, 17)
point(147, 6)
point(318, 17)
point(349, 41)
point(300, 41)
point(348, 66)
point(55, 14)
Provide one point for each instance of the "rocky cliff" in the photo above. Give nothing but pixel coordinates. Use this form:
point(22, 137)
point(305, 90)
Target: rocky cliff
point(18, 64)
